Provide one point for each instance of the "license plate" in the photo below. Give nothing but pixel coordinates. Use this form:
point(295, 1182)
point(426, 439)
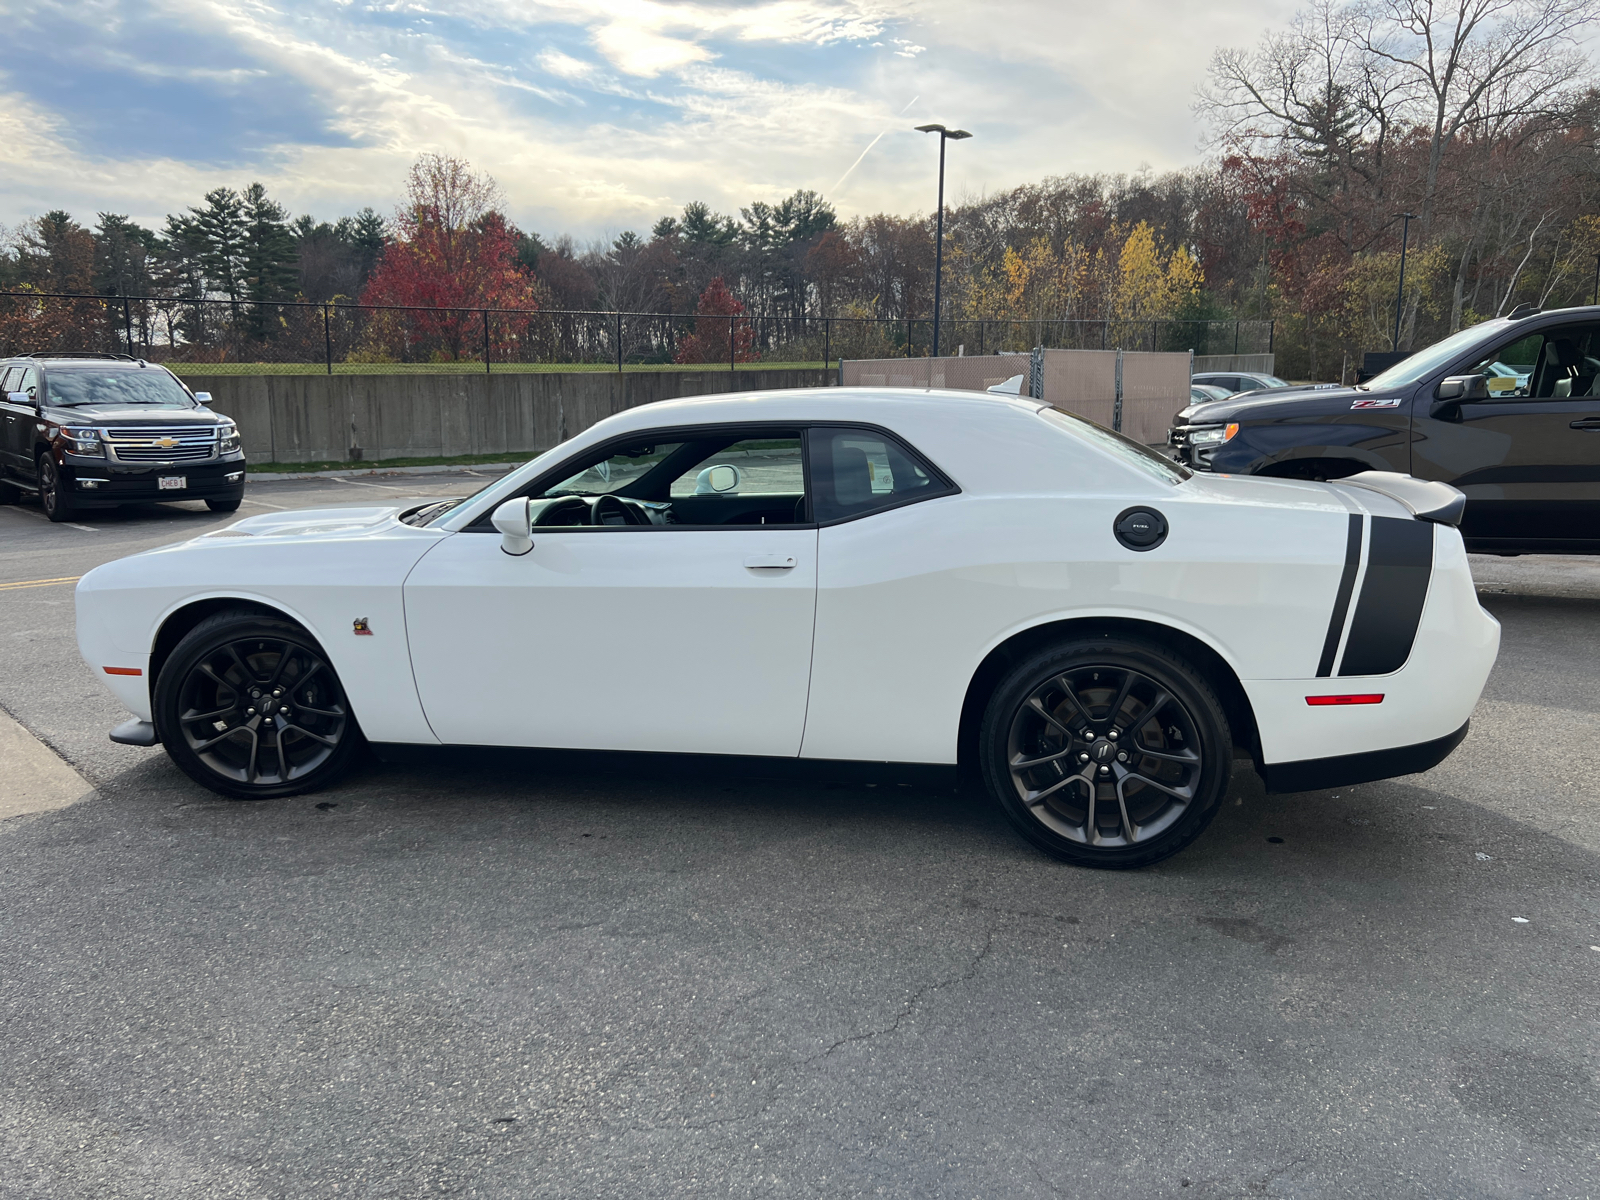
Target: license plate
point(172, 483)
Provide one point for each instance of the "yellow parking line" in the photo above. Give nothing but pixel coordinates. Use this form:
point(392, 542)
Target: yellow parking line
point(9, 587)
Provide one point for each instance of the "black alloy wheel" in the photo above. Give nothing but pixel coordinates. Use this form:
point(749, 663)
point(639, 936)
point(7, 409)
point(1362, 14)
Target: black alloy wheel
point(1107, 752)
point(56, 502)
point(249, 706)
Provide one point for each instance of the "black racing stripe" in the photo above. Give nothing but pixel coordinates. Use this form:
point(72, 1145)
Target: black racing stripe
point(1399, 565)
point(1341, 601)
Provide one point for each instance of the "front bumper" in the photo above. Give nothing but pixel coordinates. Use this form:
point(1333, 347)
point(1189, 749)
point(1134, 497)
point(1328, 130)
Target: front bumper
point(96, 483)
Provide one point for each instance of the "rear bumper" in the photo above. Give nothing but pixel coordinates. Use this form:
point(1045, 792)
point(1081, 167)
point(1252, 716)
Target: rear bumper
point(101, 485)
point(1315, 774)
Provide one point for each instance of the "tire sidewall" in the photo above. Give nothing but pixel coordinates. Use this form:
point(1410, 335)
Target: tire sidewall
point(204, 639)
point(1188, 687)
point(57, 504)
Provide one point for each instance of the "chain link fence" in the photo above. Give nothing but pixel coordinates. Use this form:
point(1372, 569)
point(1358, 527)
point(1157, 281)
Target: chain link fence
point(292, 337)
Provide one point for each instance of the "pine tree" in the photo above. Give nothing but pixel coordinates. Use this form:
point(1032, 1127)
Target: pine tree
point(268, 258)
point(218, 229)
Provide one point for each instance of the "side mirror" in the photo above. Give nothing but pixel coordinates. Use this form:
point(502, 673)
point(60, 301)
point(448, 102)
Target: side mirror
point(21, 398)
point(203, 398)
point(717, 480)
point(1462, 388)
point(515, 524)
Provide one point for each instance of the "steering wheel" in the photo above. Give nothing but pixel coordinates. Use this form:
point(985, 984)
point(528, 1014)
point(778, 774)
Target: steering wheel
point(613, 510)
point(573, 510)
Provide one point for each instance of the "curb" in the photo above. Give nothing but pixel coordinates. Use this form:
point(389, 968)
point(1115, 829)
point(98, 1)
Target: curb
point(438, 469)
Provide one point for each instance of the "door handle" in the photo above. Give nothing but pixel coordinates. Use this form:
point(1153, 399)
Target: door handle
point(770, 562)
point(1592, 424)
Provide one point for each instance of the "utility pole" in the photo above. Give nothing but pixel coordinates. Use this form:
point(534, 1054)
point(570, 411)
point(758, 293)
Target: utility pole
point(945, 135)
point(1400, 299)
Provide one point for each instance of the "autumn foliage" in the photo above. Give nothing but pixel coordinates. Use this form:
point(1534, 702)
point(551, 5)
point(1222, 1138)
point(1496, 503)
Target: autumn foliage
point(454, 250)
point(716, 317)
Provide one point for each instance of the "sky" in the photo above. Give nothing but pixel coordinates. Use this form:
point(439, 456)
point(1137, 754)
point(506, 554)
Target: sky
point(594, 116)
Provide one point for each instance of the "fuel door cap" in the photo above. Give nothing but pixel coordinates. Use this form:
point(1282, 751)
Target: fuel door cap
point(1140, 528)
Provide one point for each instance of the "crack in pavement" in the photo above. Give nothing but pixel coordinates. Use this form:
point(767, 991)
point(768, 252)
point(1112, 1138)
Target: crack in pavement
point(906, 1010)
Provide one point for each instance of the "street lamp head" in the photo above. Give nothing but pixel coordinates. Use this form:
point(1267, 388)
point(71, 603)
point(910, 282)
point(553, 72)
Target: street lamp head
point(930, 129)
point(954, 135)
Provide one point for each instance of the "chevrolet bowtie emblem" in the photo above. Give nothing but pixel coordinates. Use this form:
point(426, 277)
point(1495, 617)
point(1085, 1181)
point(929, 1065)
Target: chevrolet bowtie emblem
point(166, 443)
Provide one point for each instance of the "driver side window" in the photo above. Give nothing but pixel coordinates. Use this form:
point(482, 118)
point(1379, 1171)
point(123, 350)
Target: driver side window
point(716, 479)
point(1557, 364)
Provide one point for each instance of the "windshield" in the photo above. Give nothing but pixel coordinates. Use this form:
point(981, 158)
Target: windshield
point(1124, 448)
point(150, 387)
point(1425, 362)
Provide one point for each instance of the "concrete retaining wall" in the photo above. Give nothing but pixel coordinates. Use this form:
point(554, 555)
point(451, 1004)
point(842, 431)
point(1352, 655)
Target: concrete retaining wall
point(333, 418)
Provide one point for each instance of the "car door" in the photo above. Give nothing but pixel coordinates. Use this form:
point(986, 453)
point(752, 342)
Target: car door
point(20, 420)
point(691, 633)
point(1528, 457)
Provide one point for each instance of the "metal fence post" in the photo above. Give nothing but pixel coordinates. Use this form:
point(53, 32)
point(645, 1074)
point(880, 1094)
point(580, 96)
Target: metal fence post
point(485, 313)
point(1272, 330)
point(1236, 338)
point(327, 339)
point(827, 341)
point(732, 331)
point(619, 341)
point(1036, 373)
point(1116, 407)
point(127, 322)
point(1153, 325)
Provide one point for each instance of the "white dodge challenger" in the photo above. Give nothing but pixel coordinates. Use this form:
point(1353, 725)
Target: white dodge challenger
point(841, 574)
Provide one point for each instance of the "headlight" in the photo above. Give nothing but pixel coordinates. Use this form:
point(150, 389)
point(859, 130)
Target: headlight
point(84, 441)
point(228, 439)
point(1213, 435)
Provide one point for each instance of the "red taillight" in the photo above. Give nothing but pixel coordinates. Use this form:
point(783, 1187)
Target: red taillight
point(1361, 698)
point(122, 671)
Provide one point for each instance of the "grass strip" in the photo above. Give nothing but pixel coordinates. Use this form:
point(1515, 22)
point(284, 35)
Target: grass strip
point(377, 464)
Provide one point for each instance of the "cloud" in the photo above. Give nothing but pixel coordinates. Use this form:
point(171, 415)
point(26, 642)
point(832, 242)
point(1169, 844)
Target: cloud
point(596, 114)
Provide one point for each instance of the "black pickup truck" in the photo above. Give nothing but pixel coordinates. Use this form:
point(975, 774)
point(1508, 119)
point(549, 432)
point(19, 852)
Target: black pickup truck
point(98, 430)
point(1508, 411)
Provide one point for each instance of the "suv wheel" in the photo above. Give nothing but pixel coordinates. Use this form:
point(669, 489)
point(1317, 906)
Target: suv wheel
point(53, 497)
point(1106, 751)
point(249, 706)
point(223, 506)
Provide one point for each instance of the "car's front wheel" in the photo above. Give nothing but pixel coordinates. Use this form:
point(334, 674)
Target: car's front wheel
point(249, 706)
point(224, 506)
point(1106, 751)
point(53, 495)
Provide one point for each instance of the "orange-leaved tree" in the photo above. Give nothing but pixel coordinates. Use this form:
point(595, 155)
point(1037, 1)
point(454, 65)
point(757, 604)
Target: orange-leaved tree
point(717, 318)
point(454, 251)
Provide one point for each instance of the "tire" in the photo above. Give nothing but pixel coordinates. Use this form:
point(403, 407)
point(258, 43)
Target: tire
point(57, 504)
point(224, 506)
point(249, 706)
point(1100, 783)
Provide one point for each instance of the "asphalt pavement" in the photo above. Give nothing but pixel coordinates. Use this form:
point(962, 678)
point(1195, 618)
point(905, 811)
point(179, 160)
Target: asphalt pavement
point(523, 975)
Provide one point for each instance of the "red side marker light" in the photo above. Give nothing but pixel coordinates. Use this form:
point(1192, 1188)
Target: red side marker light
point(122, 670)
point(1362, 698)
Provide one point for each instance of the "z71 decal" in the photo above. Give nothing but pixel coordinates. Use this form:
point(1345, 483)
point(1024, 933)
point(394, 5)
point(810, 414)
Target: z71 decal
point(1375, 404)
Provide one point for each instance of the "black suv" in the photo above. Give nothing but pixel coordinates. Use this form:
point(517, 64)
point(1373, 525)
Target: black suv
point(95, 431)
point(1508, 411)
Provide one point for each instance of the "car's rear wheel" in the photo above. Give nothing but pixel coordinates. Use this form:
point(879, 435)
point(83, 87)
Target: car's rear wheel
point(250, 707)
point(1106, 751)
point(53, 495)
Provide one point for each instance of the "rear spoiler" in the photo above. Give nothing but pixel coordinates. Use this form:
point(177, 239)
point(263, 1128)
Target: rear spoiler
point(1427, 500)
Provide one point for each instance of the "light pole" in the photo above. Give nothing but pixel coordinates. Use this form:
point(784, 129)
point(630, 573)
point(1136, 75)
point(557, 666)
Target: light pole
point(1400, 299)
point(945, 135)
point(1596, 299)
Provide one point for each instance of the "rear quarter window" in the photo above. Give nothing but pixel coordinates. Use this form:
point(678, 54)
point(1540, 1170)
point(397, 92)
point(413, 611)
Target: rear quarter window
point(1124, 449)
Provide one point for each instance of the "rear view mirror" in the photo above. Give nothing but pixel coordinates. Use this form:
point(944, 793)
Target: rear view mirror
point(1463, 388)
point(515, 524)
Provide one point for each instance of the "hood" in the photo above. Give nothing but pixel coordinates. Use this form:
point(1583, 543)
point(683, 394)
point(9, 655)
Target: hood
point(1312, 400)
point(318, 522)
point(131, 414)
